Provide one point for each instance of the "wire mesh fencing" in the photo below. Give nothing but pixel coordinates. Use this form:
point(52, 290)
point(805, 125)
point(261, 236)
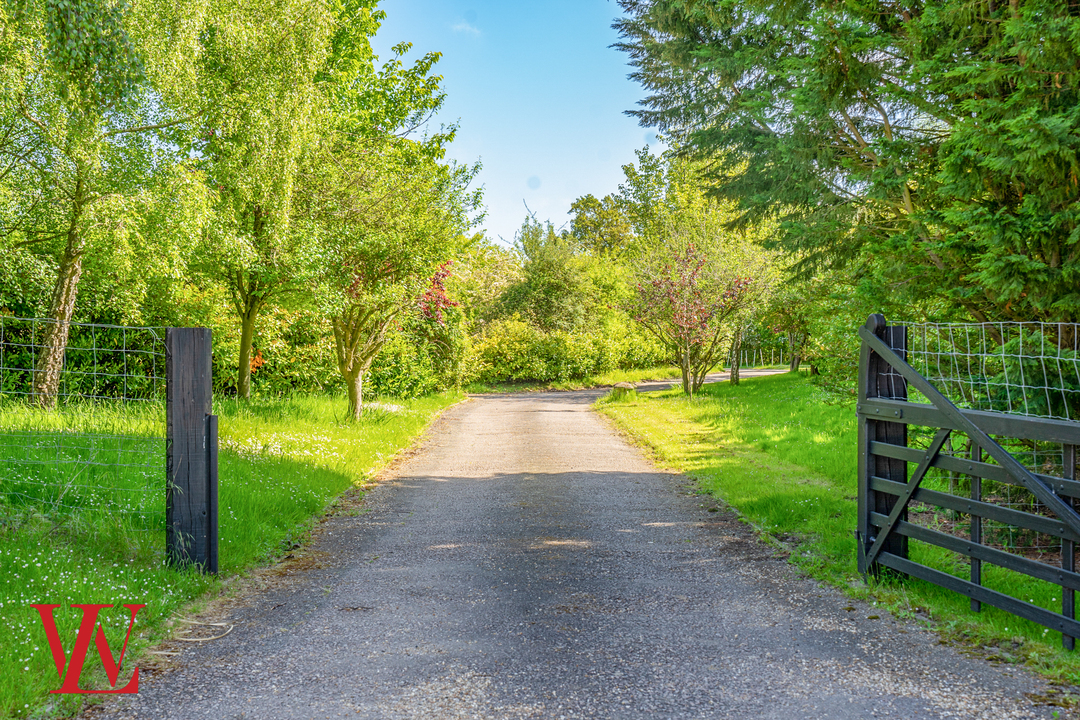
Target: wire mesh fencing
point(1020, 368)
point(761, 357)
point(94, 455)
point(1026, 369)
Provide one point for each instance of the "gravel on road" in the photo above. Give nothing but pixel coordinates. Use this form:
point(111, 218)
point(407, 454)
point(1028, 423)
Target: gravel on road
point(527, 562)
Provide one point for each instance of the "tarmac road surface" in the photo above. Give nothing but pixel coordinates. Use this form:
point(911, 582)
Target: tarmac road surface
point(527, 562)
point(714, 377)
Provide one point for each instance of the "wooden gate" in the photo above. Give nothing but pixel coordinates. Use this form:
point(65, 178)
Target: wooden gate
point(887, 489)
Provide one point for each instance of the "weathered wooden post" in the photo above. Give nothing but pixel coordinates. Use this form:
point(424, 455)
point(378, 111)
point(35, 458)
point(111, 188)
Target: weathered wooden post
point(875, 381)
point(191, 451)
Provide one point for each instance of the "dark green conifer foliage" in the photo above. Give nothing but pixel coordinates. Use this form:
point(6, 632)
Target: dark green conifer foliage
point(936, 145)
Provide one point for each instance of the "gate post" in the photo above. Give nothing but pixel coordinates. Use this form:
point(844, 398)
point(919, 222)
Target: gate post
point(875, 381)
point(191, 450)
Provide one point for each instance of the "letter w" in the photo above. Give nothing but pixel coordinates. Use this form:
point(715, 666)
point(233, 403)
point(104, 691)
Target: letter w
point(70, 678)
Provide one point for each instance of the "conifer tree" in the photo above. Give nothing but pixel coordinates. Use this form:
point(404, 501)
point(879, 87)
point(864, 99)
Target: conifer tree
point(933, 144)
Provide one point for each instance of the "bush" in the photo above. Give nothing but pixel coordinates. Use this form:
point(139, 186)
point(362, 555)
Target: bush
point(402, 370)
point(295, 354)
point(512, 350)
point(639, 349)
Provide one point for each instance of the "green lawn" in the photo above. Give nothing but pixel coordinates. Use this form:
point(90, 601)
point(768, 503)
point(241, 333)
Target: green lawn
point(281, 463)
point(783, 453)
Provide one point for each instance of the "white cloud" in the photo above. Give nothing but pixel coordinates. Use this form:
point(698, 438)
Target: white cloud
point(464, 27)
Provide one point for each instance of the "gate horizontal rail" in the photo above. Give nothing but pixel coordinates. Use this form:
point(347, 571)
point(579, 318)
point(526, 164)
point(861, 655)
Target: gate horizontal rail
point(1067, 626)
point(991, 423)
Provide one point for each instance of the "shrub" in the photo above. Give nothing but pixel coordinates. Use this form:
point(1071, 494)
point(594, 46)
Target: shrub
point(513, 350)
point(402, 370)
point(639, 349)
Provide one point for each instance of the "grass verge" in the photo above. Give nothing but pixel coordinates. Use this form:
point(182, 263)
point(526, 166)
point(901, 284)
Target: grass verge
point(63, 541)
point(783, 453)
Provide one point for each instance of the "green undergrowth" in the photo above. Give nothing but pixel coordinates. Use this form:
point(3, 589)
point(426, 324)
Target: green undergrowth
point(93, 532)
point(590, 381)
point(782, 452)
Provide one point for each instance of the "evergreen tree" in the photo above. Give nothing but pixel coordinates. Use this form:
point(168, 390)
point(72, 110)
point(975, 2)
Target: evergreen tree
point(937, 142)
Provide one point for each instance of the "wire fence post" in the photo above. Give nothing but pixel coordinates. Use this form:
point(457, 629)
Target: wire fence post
point(191, 451)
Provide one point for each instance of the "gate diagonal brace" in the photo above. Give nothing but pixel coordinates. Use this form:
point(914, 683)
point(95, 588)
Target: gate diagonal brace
point(905, 497)
point(1046, 496)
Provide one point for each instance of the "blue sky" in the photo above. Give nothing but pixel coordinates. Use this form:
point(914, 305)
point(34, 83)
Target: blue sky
point(538, 93)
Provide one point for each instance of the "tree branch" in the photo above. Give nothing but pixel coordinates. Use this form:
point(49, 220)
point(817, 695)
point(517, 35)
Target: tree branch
point(159, 126)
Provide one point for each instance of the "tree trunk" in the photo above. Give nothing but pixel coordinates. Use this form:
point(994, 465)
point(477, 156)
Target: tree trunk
point(796, 352)
point(736, 359)
point(684, 366)
point(250, 293)
point(355, 382)
point(50, 362)
point(247, 337)
point(359, 334)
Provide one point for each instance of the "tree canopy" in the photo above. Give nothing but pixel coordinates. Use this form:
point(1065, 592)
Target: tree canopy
point(256, 155)
point(933, 144)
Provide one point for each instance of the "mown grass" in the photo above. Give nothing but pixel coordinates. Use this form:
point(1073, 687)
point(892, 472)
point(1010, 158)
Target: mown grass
point(281, 463)
point(783, 453)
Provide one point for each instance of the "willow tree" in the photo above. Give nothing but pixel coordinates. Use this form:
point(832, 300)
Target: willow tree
point(91, 92)
point(260, 71)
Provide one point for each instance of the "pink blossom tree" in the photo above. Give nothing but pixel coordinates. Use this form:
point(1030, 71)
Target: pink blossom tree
point(684, 303)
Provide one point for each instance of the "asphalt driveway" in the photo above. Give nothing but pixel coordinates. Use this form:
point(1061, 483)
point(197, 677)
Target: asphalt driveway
point(526, 562)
